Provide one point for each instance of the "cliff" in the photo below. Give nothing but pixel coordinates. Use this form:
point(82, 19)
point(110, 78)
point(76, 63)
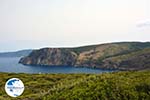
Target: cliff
point(123, 56)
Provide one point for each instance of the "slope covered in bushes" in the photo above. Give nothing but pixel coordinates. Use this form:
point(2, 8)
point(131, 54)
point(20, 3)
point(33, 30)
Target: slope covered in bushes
point(133, 85)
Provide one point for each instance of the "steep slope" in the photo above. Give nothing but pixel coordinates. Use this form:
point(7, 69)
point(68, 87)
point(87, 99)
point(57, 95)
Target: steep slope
point(99, 56)
point(50, 56)
point(132, 61)
point(94, 56)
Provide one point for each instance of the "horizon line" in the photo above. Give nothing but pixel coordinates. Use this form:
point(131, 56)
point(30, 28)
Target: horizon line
point(94, 44)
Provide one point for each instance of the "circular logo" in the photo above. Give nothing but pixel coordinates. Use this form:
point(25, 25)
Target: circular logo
point(14, 87)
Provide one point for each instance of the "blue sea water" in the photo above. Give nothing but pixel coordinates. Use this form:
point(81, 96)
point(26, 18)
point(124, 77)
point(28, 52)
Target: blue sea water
point(11, 65)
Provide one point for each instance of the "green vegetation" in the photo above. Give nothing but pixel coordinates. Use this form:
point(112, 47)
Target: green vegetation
point(129, 55)
point(130, 61)
point(131, 85)
point(114, 47)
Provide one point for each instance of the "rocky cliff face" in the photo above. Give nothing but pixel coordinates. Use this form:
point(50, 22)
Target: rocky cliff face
point(124, 56)
point(50, 56)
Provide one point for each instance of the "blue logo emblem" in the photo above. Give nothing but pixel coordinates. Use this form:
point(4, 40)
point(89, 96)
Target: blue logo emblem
point(14, 87)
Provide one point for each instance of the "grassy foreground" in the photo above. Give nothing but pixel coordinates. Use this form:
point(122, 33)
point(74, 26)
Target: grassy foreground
point(133, 85)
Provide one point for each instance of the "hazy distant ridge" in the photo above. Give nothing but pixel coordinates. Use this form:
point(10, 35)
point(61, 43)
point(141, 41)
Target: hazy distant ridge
point(20, 53)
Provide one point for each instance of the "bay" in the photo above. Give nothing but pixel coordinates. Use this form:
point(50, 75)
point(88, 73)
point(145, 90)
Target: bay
point(10, 64)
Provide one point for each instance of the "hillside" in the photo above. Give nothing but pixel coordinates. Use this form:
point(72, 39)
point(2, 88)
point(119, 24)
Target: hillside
point(20, 53)
point(132, 85)
point(131, 61)
point(96, 56)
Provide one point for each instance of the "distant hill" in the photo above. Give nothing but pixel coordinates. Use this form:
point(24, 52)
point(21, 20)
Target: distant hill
point(121, 55)
point(20, 53)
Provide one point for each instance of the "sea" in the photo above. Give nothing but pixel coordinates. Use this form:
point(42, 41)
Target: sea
point(11, 65)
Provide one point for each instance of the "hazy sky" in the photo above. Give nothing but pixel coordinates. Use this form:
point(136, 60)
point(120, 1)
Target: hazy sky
point(61, 23)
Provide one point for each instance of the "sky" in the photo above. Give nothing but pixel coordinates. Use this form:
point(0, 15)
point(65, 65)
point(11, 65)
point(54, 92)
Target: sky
point(29, 24)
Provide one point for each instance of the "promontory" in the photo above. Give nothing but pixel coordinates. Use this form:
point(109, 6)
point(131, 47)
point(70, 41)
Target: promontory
point(119, 55)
